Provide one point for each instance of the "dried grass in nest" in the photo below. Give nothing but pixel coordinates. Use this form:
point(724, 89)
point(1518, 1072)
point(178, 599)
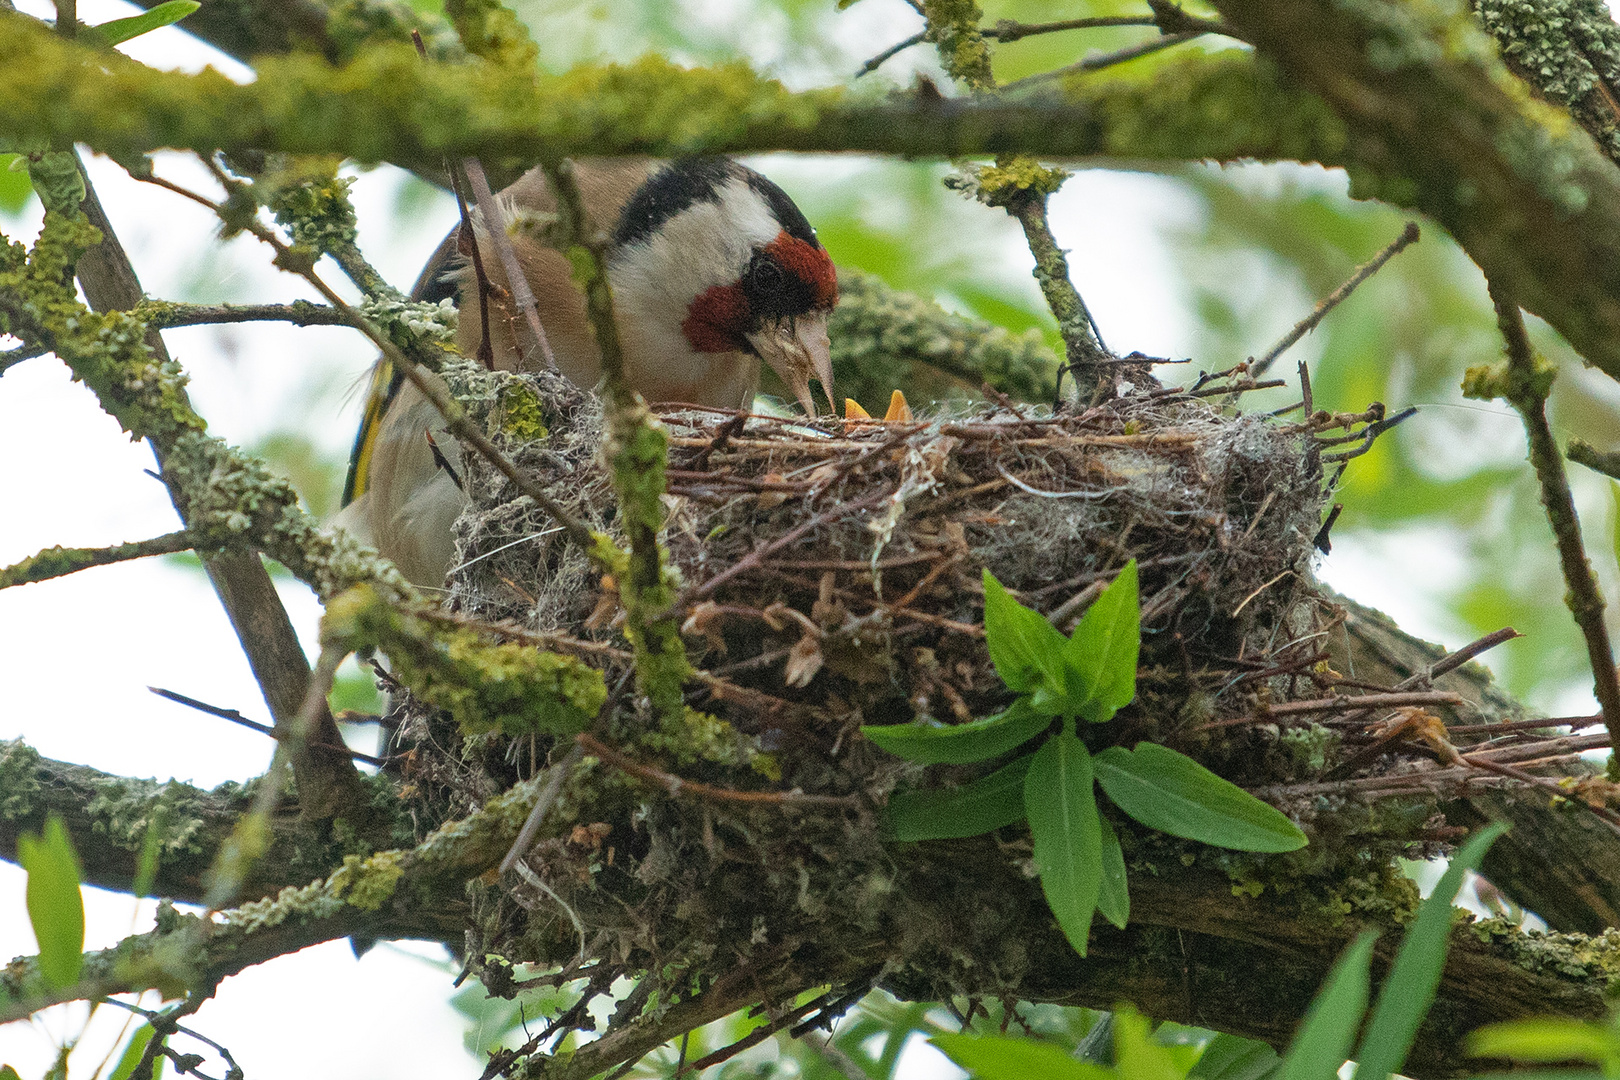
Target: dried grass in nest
point(838, 566)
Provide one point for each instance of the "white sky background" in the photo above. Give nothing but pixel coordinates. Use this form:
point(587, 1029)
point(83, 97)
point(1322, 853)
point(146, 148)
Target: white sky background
point(77, 654)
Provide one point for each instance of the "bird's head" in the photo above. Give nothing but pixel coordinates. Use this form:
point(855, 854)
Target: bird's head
point(719, 249)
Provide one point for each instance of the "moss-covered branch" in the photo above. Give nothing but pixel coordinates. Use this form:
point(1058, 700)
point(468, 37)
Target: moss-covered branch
point(388, 105)
point(227, 498)
point(1021, 186)
point(413, 893)
point(637, 451)
point(1254, 961)
point(1525, 381)
point(58, 561)
point(110, 819)
point(883, 338)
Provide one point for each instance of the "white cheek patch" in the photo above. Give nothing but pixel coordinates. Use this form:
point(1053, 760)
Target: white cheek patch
point(706, 245)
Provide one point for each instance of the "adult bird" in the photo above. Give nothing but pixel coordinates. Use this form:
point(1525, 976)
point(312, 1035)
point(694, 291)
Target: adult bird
point(713, 269)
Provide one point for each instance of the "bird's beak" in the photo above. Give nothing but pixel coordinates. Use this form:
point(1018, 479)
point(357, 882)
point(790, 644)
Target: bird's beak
point(799, 350)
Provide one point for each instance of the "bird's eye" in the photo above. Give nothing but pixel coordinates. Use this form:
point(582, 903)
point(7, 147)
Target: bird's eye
point(767, 275)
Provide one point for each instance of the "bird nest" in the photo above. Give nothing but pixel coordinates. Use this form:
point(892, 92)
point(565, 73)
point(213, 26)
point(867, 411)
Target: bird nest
point(830, 577)
point(838, 566)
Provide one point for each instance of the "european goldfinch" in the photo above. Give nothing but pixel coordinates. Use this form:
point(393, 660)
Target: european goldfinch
point(713, 269)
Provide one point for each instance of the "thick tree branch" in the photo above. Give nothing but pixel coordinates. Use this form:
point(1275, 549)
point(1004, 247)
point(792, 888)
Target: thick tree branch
point(387, 105)
point(110, 817)
point(1445, 131)
point(329, 785)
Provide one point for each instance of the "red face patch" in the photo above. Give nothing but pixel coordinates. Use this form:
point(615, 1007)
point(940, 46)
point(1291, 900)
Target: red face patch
point(717, 319)
point(809, 263)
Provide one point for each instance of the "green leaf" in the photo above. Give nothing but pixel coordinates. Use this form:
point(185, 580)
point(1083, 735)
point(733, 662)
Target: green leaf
point(1614, 490)
point(1100, 658)
point(1548, 1039)
point(996, 1057)
point(948, 813)
point(15, 187)
point(1323, 1040)
point(8, 1073)
point(1171, 792)
point(1026, 649)
point(1228, 1057)
point(1136, 1055)
point(121, 30)
point(960, 744)
point(131, 1057)
point(1407, 993)
point(55, 905)
point(1113, 898)
point(1062, 813)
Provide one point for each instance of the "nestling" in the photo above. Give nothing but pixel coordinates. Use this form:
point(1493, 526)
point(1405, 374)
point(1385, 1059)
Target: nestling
point(713, 269)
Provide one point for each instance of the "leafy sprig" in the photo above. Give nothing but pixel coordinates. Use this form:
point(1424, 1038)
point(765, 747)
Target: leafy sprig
point(1325, 1037)
point(1089, 675)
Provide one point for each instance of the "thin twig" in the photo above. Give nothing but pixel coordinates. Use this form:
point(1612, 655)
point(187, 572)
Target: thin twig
point(60, 561)
point(891, 52)
point(1097, 63)
point(1007, 31)
point(755, 1037)
point(1527, 393)
point(16, 355)
point(542, 805)
point(1409, 235)
point(1341, 704)
point(300, 313)
point(164, 1024)
point(1574, 723)
point(516, 280)
point(1584, 453)
point(676, 785)
point(236, 717)
point(754, 558)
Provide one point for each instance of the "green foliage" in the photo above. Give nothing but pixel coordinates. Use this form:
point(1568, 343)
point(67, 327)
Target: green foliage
point(1551, 1040)
point(1407, 993)
point(994, 1057)
point(1026, 649)
point(960, 744)
point(1227, 1057)
point(494, 1022)
point(1139, 1053)
point(134, 1049)
point(1323, 1040)
point(1100, 656)
point(1113, 894)
point(1092, 675)
point(120, 30)
point(1068, 837)
point(15, 187)
point(55, 904)
point(1171, 792)
point(987, 803)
